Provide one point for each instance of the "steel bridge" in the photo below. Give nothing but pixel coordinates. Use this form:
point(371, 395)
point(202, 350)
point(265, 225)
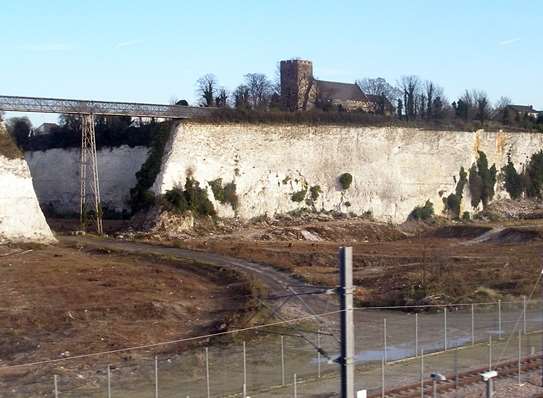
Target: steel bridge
point(91, 209)
point(90, 107)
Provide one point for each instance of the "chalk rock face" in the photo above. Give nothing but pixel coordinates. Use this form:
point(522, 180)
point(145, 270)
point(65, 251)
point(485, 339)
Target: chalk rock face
point(393, 169)
point(21, 219)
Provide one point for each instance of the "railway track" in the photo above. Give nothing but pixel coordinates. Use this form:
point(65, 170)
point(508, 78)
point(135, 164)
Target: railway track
point(504, 369)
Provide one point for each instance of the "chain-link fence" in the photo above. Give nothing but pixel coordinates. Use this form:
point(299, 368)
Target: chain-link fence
point(265, 362)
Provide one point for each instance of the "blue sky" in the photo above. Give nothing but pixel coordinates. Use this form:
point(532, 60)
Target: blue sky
point(152, 51)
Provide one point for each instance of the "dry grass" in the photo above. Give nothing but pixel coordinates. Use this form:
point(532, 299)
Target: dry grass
point(8, 147)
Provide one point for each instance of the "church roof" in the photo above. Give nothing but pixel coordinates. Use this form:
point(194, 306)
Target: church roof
point(340, 91)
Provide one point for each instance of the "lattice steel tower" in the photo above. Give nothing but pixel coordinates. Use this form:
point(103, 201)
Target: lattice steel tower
point(91, 208)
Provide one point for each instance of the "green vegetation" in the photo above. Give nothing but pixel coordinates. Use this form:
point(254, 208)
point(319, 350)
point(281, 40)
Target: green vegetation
point(482, 181)
point(345, 180)
point(141, 198)
point(512, 180)
point(466, 216)
point(314, 192)
point(193, 199)
point(298, 196)
point(534, 176)
point(454, 200)
point(423, 213)
point(8, 147)
point(225, 194)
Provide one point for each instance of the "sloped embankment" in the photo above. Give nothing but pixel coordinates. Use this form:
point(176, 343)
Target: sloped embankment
point(21, 219)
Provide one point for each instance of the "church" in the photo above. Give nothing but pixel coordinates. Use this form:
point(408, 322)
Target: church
point(300, 91)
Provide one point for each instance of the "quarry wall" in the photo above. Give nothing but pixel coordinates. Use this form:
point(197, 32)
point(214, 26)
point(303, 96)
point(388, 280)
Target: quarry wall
point(394, 169)
point(56, 176)
point(21, 219)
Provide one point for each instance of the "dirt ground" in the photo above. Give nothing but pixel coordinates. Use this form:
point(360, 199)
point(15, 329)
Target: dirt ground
point(59, 302)
point(393, 265)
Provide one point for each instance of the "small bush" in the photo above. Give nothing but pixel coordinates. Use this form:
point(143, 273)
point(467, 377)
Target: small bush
point(534, 175)
point(347, 204)
point(466, 216)
point(345, 180)
point(193, 198)
point(225, 194)
point(175, 197)
point(8, 148)
point(482, 181)
point(298, 196)
point(424, 213)
point(314, 192)
point(454, 200)
point(512, 180)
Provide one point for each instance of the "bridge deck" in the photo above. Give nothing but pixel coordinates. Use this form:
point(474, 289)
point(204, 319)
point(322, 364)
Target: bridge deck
point(71, 106)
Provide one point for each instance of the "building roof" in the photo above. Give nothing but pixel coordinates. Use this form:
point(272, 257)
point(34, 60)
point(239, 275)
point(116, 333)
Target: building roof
point(341, 91)
point(522, 108)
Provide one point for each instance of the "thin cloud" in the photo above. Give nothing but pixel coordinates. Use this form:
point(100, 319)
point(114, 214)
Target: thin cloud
point(130, 43)
point(46, 47)
point(508, 42)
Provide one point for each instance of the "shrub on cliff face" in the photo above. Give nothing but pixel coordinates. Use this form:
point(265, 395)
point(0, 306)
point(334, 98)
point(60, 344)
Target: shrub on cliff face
point(534, 175)
point(345, 180)
point(453, 202)
point(7, 146)
point(512, 180)
point(225, 194)
point(193, 198)
point(298, 196)
point(482, 180)
point(423, 213)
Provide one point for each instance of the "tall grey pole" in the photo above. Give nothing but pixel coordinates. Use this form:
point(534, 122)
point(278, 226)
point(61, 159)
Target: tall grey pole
point(445, 327)
point(519, 354)
point(295, 387)
point(244, 364)
point(524, 314)
point(282, 360)
point(472, 324)
point(416, 334)
point(156, 377)
point(347, 324)
point(385, 338)
point(208, 388)
point(55, 380)
point(500, 319)
point(490, 352)
point(318, 353)
point(421, 373)
point(108, 381)
point(383, 378)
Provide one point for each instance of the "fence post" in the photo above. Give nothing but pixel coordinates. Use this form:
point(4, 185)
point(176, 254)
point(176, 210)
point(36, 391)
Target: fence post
point(490, 352)
point(383, 377)
point(347, 323)
point(108, 381)
point(385, 338)
point(416, 334)
point(445, 326)
point(318, 353)
point(472, 324)
point(55, 381)
point(500, 319)
point(244, 364)
point(524, 314)
point(207, 374)
point(156, 376)
point(422, 373)
point(295, 387)
point(519, 354)
point(282, 360)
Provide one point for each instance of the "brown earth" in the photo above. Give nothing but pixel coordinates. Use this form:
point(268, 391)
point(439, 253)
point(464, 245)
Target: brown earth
point(59, 302)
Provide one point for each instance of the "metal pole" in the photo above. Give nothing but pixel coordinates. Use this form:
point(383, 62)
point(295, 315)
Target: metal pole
point(318, 354)
point(422, 373)
point(434, 388)
point(524, 314)
point(244, 364)
point(156, 376)
point(207, 373)
point(519, 354)
point(490, 352)
point(295, 387)
point(383, 377)
point(282, 360)
point(55, 381)
point(108, 381)
point(385, 338)
point(500, 319)
point(472, 324)
point(244, 390)
point(416, 334)
point(456, 371)
point(445, 326)
point(347, 324)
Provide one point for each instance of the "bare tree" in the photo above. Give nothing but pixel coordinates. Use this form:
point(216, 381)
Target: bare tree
point(222, 98)
point(260, 89)
point(241, 97)
point(410, 85)
point(206, 89)
point(380, 88)
point(483, 107)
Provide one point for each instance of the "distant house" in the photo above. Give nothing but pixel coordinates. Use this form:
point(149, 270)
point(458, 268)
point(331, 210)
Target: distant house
point(43, 129)
point(301, 91)
point(523, 110)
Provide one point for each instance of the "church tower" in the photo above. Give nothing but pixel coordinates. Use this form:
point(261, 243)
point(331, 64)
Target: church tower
point(296, 84)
